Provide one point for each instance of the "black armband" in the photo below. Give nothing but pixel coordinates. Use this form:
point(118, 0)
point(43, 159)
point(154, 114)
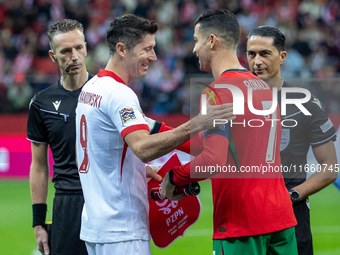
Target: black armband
point(39, 214)
point(156, 128)
point(171, 177)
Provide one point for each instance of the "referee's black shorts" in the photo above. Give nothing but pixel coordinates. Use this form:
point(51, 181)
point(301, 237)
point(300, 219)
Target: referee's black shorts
point(66, 220)
point(302, 230)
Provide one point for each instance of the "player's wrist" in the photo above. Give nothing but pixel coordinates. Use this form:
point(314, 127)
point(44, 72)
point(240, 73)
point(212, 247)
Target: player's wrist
point(39, 214)
point(196, 125)
point(294, 195)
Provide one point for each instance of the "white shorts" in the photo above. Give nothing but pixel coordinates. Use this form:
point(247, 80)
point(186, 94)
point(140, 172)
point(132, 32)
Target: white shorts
point(137, 247)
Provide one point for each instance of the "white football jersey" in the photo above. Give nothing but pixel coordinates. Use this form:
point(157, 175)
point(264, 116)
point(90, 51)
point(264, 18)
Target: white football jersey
point(112, 177)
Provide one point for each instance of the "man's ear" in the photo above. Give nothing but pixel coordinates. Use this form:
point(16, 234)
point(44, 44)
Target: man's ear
point(51, 54)
point(212, 40)
point(283, 55)
point(121, 49)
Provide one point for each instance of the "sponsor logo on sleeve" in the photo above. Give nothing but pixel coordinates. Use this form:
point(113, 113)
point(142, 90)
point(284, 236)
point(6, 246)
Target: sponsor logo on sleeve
point(327, 126)
point(127, 114)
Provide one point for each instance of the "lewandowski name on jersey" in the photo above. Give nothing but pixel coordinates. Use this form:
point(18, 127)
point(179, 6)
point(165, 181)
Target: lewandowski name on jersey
point(90, 99)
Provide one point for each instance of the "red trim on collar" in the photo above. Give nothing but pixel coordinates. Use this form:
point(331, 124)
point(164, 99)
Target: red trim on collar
point(103, 73)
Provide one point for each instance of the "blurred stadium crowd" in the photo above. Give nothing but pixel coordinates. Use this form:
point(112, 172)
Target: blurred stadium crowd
point(312, 29)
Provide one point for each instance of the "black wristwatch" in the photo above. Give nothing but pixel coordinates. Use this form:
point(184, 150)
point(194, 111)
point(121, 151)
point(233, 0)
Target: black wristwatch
point(294, 195)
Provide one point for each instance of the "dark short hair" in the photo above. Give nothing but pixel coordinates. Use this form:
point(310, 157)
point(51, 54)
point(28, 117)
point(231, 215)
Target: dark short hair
point(130, 30)
point(221, 22)
point(268, 31)
point(63, 26)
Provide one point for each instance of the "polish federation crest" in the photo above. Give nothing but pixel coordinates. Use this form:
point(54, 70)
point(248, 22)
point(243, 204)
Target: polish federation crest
point(285, 138)
point(127, 114)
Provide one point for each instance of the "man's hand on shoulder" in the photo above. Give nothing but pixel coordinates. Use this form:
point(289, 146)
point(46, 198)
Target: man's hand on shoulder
point(205, 121)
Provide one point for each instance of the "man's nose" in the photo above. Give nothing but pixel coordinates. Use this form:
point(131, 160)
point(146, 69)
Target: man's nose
point(74, 54)
point(153, 56)
point(258, 60)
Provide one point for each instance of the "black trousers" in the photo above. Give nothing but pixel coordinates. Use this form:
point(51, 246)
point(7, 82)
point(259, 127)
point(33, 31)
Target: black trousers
point(66, 220)
point(302, 230)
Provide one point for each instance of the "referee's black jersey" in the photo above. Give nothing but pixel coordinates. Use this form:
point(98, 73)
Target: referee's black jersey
point(51, 120)
point(311, 130)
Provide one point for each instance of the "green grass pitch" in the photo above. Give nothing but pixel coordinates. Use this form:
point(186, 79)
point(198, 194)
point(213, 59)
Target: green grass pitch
point(17, 238)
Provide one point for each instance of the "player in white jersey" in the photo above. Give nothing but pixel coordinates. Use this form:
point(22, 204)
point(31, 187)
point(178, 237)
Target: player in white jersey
point(110, 110)
point(113, 140)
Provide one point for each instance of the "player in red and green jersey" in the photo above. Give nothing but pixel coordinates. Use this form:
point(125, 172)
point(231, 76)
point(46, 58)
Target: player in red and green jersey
point(252, 211)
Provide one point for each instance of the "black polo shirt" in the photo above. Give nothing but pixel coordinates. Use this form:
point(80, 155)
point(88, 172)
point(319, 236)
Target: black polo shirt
point(313, 130)
point(51, 120)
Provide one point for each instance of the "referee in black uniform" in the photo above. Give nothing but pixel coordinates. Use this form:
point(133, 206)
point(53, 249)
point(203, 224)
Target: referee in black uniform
point(265, 54)
point(51, 122)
